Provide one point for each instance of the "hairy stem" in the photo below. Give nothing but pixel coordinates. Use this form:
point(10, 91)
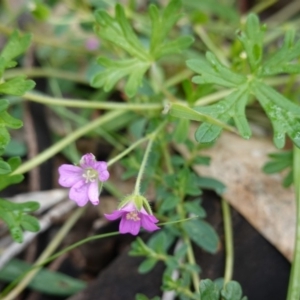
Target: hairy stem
point(89, 104)
point(294, 282)
point(229, 259)
point(151, 137)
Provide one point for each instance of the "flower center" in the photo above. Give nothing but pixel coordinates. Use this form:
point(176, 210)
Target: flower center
point(133, 215)
point(90, 175)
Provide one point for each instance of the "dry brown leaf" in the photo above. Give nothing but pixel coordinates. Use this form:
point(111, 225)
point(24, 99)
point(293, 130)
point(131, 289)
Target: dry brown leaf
point(260, 198)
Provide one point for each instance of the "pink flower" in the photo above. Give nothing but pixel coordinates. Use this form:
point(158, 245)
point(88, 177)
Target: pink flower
point(132, 219)
point(84, 180)
point(92, 43)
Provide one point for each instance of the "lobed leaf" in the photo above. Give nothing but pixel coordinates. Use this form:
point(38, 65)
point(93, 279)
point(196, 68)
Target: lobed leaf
point(117, 30)
point(283, 114)
point(233, 106)
point(252, 40)
point(16, 86)
point(282, 60)
point(8, 179)
point(15, 46)
point(212, 71)
point(116, 70)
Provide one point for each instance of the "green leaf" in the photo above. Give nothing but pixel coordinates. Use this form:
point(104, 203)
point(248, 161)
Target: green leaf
point(169, 203)
point(276, 166)
point(283, 113)
point(15, 216)
point(280, 161)
point(30, 223)
point(163, 23)
point(16, 86)
point(282, 61)
point(185, 112)
point(252, 40)
point(194, 207)
point(233, 106)
point(8, 179)
point(212, 184)
point(209, 291)
point(4, 168)
point(118, 31)
point(212, 71)
point(202, 234)
point(147, 265)
point(6, 120)
point(232, 291)
point(173, 47)
point(15, 46)
point(143, 297)
point(116, 70)
point(182, 130)
point(160, 241)
point(201, 160)
point(288, 179)
point(3, 105)
point(4, 136)
point(48, 282)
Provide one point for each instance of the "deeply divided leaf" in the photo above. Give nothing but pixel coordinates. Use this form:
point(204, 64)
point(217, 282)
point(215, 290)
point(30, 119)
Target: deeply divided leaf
point(252, 40)
point(15, 46)
point(16, 86)
point(233, 106)
point(284, 114)
point(212, 71)
point(118, 31)
point(283, 60)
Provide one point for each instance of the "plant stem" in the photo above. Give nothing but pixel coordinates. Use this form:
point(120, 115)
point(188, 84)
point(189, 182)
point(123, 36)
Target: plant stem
point(229, 258)
point(45, 72)
point(142, 168)
point(151, 138)
point(294, 282)
point(126, 151)
point(51, 151)
point(88, 104)
point(47, 252)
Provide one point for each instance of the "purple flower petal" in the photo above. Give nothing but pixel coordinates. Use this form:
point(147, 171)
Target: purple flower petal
point(69, 175)
point(100, 166)
point(148, 222)
point(79, 193)
point(103, 176)
point(129, 226)
point(93, 192)
point(130, 206)
point(116, 214)
point(88, 160)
